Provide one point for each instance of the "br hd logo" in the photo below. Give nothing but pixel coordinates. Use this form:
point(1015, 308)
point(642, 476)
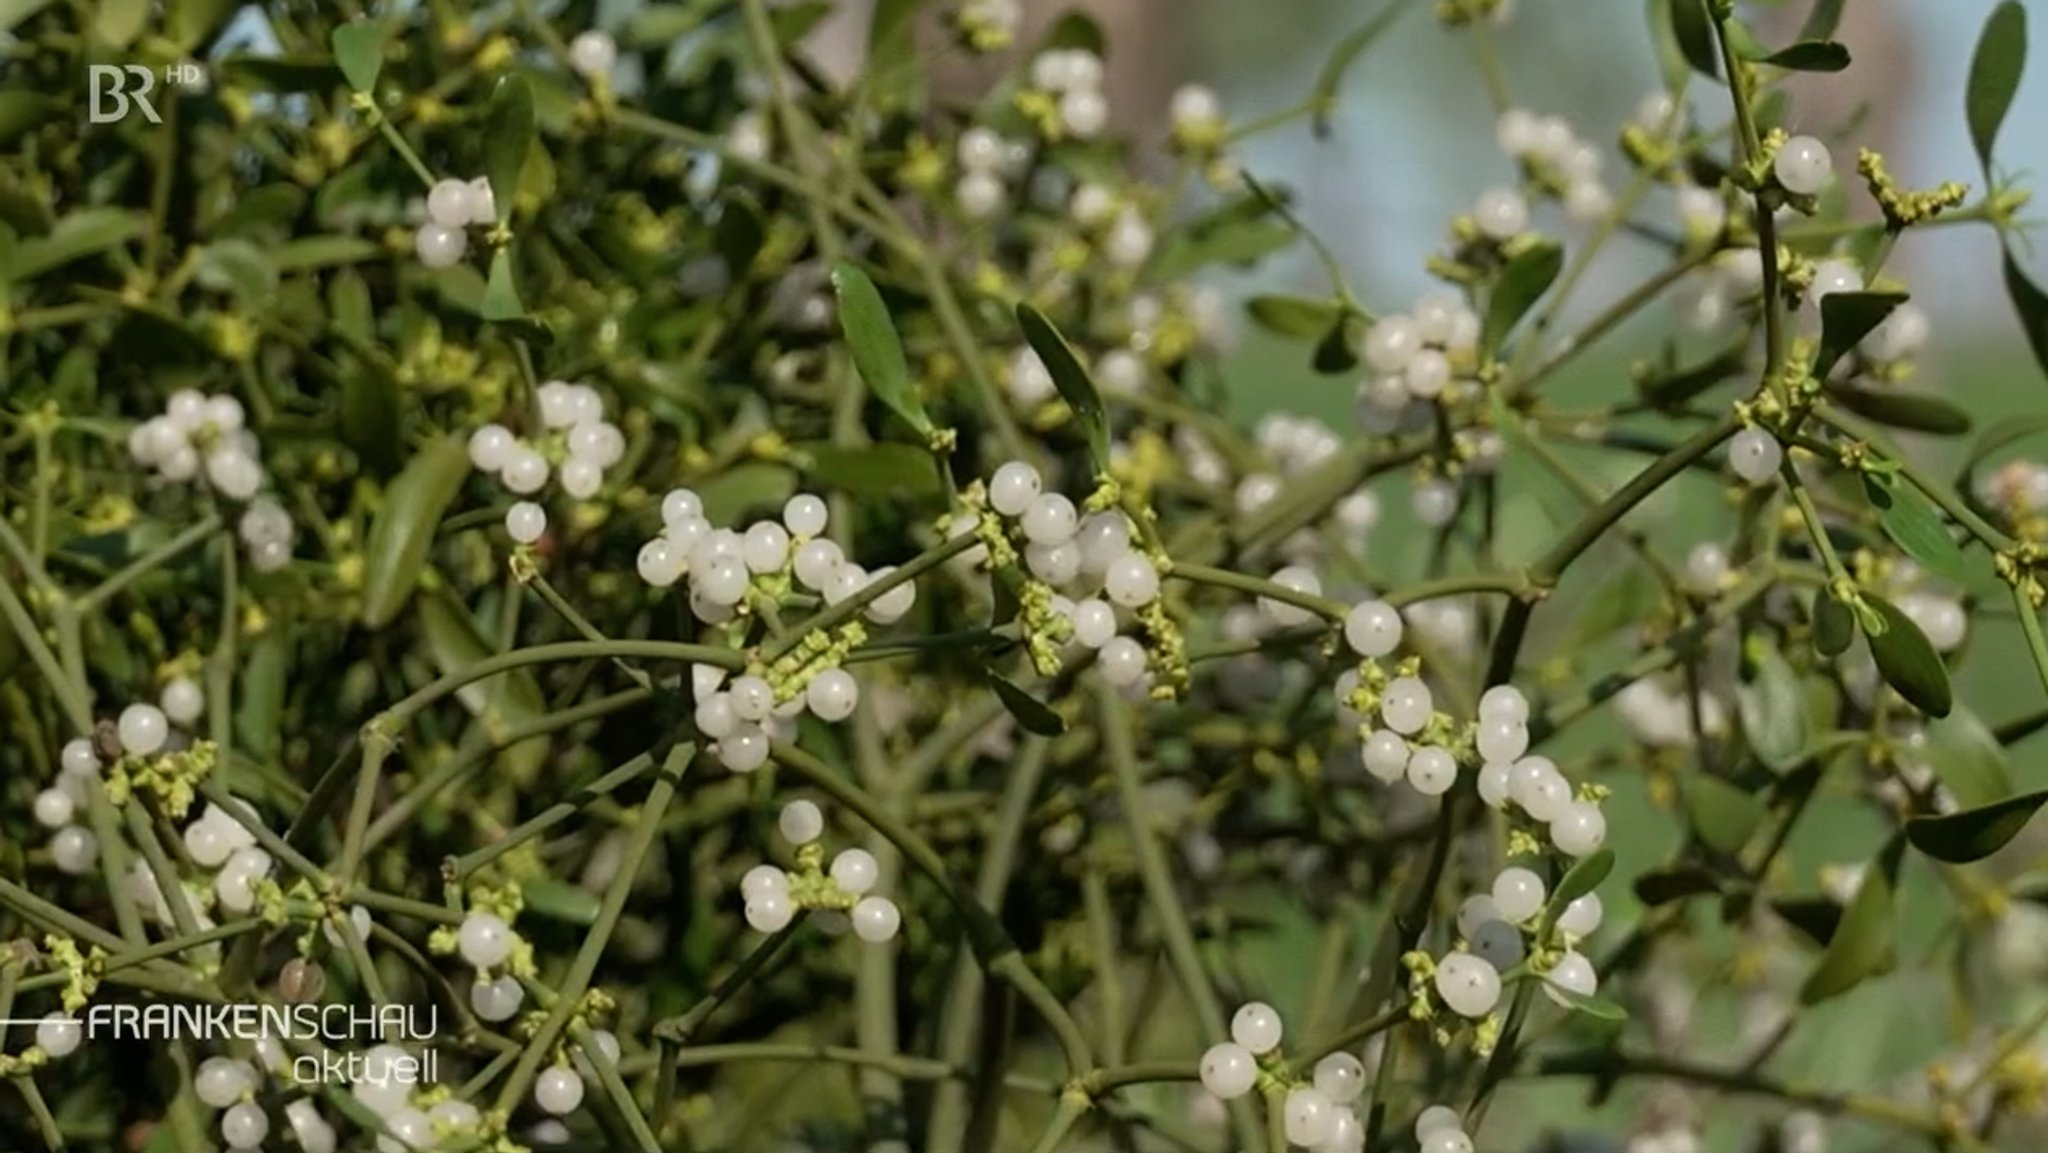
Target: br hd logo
point(118, 89)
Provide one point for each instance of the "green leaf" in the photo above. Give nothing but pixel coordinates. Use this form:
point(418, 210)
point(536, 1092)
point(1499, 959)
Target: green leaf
point(1773, 708)
point(1075, 30)
point(660, 25)
point(1834, 625)
point(1862, 945)
point(1968, 759)
point(359, 53)
point(121, 21)
point(561, 901)
point(1815, 917)
point(1999, 436)
point(1627, 598)
point(752, 486)
point(259, 699)
point(349, 308)
point(739, 234)
point(311, 253)
point(501, 293)
point(403, 530)
point(1915, 526)
point(500, 702)
point(14, 12)
point(77, 235)
point(1337, 352)
point(23, 111)
point(876, 348)
point(1810, 56)
point(1526, 278)
point(1238, 234)
point(1671, 63)
point(1822, 21)
point(1322, 100)
point(1845, 319)
point(1033, 715)
point(1908, 662)
point(1676, 883)
point(238, 267)
point(902, 470)
point(1071, 378)
point(892, 73)
point(1297, 316)
point(1694, 30)
point(1583, 877)
point(1679, 385)
point(1592, 1006)
point(301, 73)
point(1974, 834)
point(793, 22)
point(191, 23)
point(1724, 816)
point(371, 405)
point(1916, 412)
point(508, 140)
point(1995, 76)
point(2032, 306)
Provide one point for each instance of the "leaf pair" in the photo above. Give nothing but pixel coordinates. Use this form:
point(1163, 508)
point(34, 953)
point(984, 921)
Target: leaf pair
point(1995, 70)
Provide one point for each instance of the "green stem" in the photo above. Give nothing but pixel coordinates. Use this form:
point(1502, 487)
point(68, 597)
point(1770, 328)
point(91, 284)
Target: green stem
point(1543, 575)
point(852, 606)
point(615, 1088)
point(1616, 1062)
point(961, 1018)
point(1350, 1035)
point(402, 146)
point(147, 563)
point(2030, 624)
point(584, 628)
point(395, 718)
point(461, 867)
point(46, 1122)
point(576, 981)
point(1109, 981)
point(999, 954)
point(1741, 93)
point(1610, 319)
point(1156, 877)
point(1329, 609)
point(458, 767)
point(70, 696)
point(1071, 1108)
point(1986, 533)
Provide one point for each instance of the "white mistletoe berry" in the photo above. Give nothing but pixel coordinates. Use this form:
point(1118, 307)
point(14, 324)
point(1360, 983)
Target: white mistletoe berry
point(1755, 455)
point(1229, 1070)
point(558, 1089)
point(1803, 165)
point(1468, 985)
point(1256, 1026)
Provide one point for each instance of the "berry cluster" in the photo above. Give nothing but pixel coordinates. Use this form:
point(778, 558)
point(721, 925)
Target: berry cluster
point(577, 446)
point(453, 207)
point(1319, 1114)
point(1066, 91)
point(201, 436)
point(1416, 358)
point(840, 893)
point(1091, 557)
point(267, 531)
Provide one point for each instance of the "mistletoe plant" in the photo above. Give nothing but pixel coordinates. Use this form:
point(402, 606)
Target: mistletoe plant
point(682, 569)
